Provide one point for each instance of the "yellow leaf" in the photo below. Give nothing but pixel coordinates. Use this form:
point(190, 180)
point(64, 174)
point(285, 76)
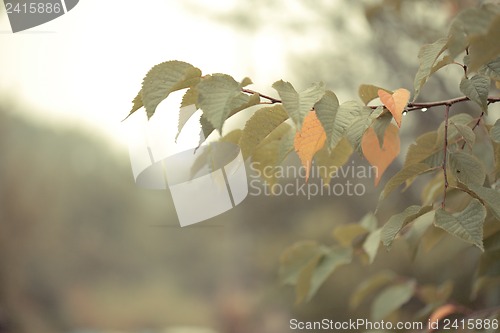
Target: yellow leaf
point(378, 157)
point(395, 102)
point(309, 140)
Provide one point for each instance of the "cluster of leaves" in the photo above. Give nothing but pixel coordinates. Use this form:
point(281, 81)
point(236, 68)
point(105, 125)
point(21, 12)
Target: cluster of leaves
point(320, 129)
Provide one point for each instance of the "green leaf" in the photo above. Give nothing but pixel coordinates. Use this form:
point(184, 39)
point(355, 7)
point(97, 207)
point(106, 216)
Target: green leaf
point(476, 89)
point(295, 258)
point(371, 244)
point(468, 24)
point(326, 111)
point(347, 113)
point(466, 225)
point(466, 133)
point(188, 108)
point(402, 176)
point(488, 196)
point(397, 222)
point(335, 258)
point(380, 125)
point(246, 82)
point(285, 139)
point(260, 125)
point(307, 265)
point(210, 156)
point(297, 105)
point(164, 79)
point(445, 61)
point(467, 168)
point(206, 128)
point(190, 97)
point(346, 234)
point(369, 222)
point(415, 236)
point(369, 92)
point(432, 189)
point(391, 299)
point(482, 49)
point(185, 114)
point(137, 104)
point(329, 163)
point(220, 96)
point(427, 56)
point(232, 137)
point(370, 286)
point(303, 285)
point(355, 131)
point(272, 150)
point(432, 237)
point(424, 150)
point(496, 147)
point(495, 132)
point(492, 69)
point(461, 118)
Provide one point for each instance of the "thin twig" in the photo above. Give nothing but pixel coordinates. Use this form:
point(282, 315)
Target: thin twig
point(428, 105)
point(445, 151)
point(272, 100)
point(409, 107)
point(465, 66)
point(475, 126)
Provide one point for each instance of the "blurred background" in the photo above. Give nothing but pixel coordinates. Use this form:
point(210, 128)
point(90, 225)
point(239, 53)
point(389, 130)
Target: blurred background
point(82, 249)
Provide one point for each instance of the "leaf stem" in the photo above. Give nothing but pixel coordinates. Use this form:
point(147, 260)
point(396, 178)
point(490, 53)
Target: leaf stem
point(475, 126)
point(445, 151)
point(465, 66)
point(272, 100)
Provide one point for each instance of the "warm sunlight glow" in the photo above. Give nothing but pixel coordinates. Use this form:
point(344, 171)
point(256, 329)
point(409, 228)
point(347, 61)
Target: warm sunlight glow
point(85, 67)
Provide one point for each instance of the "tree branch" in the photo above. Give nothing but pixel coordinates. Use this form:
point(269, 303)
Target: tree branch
point(272, 100)
point(475, 125)
point(419, 106)
point(409, 107)
point(445, 151)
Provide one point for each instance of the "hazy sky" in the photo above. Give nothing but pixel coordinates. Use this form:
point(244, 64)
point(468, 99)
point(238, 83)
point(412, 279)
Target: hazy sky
point(85, 67)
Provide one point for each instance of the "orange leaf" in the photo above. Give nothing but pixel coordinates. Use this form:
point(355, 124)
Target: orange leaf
point(442, 312)
point(395, 103)
point(309, 140)
point(378, 157)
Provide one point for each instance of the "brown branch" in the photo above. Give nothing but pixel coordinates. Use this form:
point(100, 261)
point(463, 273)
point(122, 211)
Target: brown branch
point(445, 151)
point(409, 107)
point(272, 100)
point(419, 106)
point(475, 125)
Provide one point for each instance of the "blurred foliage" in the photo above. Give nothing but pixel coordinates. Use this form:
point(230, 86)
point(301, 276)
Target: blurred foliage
point(468, 161)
